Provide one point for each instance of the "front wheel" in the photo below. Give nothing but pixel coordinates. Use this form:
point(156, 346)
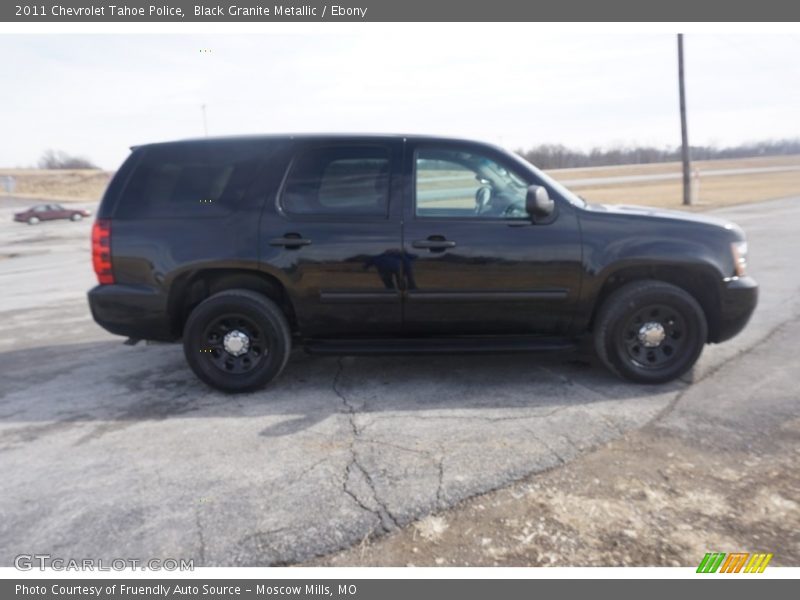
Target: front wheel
point(237, 341)
point(650, 332)
point(33, 220)
point(76, 217)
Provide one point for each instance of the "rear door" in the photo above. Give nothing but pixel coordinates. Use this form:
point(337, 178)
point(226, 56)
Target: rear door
point(477, 263)
point(334, 231)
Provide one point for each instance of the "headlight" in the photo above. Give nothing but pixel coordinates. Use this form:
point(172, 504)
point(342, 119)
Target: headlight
point(739, 250)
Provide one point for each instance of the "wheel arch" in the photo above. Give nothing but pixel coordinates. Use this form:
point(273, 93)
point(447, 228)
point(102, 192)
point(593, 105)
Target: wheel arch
point(701, 282)
point(189, 290)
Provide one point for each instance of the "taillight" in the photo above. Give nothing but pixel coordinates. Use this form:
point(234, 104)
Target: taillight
point(101, 251)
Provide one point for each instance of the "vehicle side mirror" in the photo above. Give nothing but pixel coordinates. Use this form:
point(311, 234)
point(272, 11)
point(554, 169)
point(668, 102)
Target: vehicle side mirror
point(538, 203)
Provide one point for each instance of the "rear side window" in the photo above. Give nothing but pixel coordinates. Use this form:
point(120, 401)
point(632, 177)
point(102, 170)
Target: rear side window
point(347, 181)
point(186, 181)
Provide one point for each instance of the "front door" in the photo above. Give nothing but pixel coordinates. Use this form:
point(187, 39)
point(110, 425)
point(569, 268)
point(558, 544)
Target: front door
point(476, 262)
point(334, 231)
point(59, 212)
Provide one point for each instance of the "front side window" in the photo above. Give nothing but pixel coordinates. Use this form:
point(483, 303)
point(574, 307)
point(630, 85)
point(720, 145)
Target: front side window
point(455, 183)
point(340, 180)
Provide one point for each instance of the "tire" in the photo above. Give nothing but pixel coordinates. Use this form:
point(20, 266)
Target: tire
point(214, 330)
point(76, 217)
point(33, 220)
point(650, 332)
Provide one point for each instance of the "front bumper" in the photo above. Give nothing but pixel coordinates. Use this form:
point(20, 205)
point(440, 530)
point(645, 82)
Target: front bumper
point(133, 311)
point(738, 300)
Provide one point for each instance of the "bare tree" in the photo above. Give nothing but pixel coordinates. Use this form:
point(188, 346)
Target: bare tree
point(58, 159)
point(556, 156)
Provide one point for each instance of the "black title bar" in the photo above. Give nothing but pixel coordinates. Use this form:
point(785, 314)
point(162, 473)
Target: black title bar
point(399, 10)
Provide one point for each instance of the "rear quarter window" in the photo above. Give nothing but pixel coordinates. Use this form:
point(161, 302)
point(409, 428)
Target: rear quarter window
point(189, 181)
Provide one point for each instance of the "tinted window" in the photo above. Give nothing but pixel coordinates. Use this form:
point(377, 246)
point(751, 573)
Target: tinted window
point(182, 180)
point(455, 183)
point(338, 181)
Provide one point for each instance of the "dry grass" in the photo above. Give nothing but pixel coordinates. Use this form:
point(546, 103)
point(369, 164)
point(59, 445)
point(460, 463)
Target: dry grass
point(714, 192)
point(78, 185)
point(675, 167)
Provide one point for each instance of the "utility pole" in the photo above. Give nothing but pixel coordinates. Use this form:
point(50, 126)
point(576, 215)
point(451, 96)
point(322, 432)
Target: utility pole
point(205, 122)
point(687, 173)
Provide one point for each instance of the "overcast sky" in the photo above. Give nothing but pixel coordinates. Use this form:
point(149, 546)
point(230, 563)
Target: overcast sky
point(96, 95)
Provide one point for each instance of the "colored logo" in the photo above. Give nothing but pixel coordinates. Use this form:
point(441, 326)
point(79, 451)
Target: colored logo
point(737, 562)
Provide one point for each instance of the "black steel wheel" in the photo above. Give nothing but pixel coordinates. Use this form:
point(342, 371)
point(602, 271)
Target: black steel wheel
point(653, 337)
point(237, 341)
point(650, 331)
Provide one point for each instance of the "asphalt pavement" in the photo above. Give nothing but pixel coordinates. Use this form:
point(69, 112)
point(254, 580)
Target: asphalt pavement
point(715, 471)
point(112, 451)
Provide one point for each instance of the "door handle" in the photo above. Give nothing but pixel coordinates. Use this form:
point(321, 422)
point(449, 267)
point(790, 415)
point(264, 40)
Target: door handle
point(433, 244)
point(290, 241)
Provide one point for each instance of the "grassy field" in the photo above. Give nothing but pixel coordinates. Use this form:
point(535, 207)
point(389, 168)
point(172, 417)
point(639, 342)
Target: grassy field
point(675, 167)
point(713, 190)
point(78, 185)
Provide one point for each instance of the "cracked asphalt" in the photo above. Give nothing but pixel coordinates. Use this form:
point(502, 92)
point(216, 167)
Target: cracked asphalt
point(717, 470)
point(115, 451)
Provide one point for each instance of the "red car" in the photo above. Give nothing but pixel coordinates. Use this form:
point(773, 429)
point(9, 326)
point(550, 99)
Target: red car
point(49, 212)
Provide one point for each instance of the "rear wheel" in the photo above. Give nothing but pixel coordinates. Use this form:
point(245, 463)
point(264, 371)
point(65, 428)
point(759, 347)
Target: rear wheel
point(650, 332)
point(237, 341)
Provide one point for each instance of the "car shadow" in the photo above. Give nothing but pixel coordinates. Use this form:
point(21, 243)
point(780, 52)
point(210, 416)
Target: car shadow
point(108, 381)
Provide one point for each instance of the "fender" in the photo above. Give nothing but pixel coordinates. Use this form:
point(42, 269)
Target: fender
point(691, 255)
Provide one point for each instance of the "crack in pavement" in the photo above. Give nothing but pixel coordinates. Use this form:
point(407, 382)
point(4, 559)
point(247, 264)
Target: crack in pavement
point(305, 472)
point(617, 429)
point(382, 512)
point(571, 443)
point(547, 446)
point(612, 424)
point(354, 468)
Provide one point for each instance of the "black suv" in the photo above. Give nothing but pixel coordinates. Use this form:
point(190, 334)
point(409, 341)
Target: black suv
point(354, 244)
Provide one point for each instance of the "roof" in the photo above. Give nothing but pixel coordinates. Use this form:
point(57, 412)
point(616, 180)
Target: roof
point(313, 136)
